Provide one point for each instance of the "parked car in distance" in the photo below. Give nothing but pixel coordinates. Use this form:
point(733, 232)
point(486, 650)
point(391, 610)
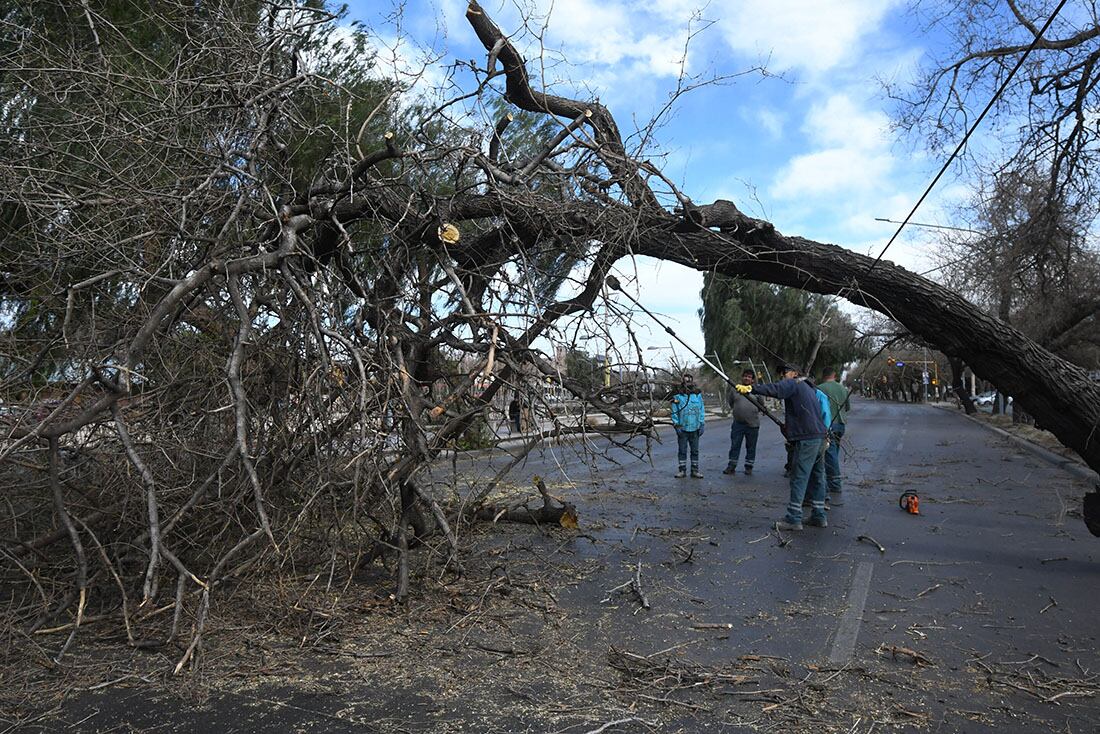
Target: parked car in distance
point(985, 398)
point(989, 397)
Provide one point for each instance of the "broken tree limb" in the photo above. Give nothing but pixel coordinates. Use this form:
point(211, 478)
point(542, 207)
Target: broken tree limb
point(872, 541)
point(564, 514)
point(895, 650)
point(637, 586)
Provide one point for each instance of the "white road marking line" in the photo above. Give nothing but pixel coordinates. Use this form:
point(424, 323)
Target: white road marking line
point(844, 644)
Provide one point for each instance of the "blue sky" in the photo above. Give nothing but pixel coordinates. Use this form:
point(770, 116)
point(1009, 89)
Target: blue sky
point(809, 146)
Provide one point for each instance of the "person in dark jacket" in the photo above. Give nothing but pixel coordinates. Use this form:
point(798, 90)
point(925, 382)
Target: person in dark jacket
point(745, 427)
point(688, 416)
point(514, 413)
point(805, 429)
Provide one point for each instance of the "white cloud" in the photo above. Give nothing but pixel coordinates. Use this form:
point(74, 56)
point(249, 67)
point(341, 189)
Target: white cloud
point(769, 119)
point(848, 176)
point(611, 34)
point(832, 172)
point(854, 156)
point(669, 290)
point(840, 121)
point(810, 35)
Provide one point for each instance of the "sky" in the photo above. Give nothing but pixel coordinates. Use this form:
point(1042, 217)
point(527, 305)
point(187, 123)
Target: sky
point(807, 145)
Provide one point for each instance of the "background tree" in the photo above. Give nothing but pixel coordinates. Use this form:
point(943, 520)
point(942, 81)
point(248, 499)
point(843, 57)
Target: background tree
point(1031, 261)
point(765, 323)
point(1043, 120)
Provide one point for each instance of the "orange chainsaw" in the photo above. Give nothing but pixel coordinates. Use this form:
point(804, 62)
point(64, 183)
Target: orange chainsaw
point(910, 502)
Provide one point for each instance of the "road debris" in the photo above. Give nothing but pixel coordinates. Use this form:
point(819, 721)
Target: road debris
point(914, 657)
point(872, 541)
point(779, 537)
point(637, 586)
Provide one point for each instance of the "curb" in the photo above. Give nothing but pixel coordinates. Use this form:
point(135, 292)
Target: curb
point(1075, 468)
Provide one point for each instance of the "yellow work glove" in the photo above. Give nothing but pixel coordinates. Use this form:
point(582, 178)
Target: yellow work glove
point(743, 389)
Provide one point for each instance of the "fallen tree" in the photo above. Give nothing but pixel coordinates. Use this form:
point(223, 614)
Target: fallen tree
point(244, 329)
point(721, 238)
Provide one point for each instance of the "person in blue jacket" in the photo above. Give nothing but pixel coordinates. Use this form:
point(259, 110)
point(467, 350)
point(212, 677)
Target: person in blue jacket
point(805, 430)
point(820, 470)
point(687, 418)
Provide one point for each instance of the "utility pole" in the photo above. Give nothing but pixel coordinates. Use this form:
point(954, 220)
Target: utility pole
point(924, 376)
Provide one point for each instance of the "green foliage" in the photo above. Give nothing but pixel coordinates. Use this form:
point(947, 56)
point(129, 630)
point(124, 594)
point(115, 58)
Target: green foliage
point(477, 436)
point(583, 367)
point(745, 319)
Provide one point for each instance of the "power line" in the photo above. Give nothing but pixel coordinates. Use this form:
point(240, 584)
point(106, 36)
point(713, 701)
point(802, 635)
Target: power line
point(930, 226)
point(962, 143)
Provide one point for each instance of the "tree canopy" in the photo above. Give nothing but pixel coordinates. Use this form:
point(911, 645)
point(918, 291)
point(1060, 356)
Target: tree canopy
point(765, 323)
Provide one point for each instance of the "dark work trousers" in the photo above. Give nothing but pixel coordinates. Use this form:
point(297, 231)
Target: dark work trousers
point(684, 440)
point(743, 432)
point(832, 460)
point(807, 478)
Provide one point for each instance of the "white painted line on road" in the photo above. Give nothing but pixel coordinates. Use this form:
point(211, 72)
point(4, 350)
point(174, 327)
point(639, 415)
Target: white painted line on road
point(844, 644)
point(901, 439)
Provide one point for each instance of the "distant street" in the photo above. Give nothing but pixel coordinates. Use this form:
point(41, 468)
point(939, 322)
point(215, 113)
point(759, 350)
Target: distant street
point(994, 587)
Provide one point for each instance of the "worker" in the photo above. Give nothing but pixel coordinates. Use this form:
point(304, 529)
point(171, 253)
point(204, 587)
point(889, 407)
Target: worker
point(745, 427)
point(805, 429)
point(687, 418)
point(839, 402)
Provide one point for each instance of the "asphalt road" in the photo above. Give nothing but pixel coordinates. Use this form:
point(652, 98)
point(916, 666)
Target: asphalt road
point(995, 585)
point(998, 566)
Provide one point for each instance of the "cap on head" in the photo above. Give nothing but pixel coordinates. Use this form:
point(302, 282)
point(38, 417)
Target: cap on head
point(789, 367)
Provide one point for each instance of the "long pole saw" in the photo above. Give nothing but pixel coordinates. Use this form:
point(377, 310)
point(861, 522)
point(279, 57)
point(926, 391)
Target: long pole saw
point(613, 284)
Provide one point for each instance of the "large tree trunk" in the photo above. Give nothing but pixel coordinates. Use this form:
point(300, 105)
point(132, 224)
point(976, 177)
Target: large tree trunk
point(1058, 393)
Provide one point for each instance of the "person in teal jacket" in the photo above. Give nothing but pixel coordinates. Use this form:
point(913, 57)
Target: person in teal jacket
point(817, 483)
point(688, 420)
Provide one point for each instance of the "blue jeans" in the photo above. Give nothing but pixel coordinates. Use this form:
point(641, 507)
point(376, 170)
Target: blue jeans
point(807, 471)
point(832, 459)
point(739, 431)
point(684, 439)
